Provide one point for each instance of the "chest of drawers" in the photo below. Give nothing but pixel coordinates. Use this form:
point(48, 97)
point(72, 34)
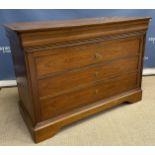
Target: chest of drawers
point(68, 70)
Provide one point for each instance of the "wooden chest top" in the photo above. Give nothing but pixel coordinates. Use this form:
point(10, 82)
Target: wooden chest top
point(49, 25)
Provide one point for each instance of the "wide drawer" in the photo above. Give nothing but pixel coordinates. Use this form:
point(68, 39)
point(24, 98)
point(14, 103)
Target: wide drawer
point(56, 106)
point(67, 58)
point(76, 79)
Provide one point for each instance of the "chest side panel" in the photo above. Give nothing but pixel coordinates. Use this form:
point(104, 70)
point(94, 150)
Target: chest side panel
point(22, 75)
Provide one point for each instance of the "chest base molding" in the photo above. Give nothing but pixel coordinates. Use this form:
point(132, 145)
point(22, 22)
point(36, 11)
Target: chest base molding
point(50, 127)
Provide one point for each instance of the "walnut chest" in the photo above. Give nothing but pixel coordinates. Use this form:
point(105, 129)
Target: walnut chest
point(68, 70)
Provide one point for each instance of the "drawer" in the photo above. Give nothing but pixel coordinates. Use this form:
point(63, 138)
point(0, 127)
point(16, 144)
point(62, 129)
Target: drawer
point(53, 107)
point(75, 79)
point(67, 58)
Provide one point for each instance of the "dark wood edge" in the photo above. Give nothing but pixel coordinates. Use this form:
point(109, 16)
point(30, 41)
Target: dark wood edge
point(63, 24)
point(141, 61)
point(50, 127)
point(34, 85)
point(26, 117)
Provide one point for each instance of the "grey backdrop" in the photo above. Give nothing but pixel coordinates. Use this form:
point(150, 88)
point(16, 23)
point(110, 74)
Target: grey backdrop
point(9, 16)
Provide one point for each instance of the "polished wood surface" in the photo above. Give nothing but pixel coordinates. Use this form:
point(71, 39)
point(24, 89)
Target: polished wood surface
point(46, 25)
point(83, 77)
point(68, 58)
point(51, 107)
point(68, 70)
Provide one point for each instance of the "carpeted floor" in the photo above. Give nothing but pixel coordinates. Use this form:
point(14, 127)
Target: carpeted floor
point(132, 124)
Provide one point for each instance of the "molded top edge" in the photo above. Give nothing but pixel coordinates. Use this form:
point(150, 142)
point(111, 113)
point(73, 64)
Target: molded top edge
point(46, 25)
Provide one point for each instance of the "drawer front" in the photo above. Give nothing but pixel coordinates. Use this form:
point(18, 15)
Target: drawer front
point(53, 107)
point(73, 80)
point(67, 58)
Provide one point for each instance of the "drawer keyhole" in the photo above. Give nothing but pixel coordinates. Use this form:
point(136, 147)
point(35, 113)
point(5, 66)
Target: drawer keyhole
point(96, 74)
point(98, 56)
point(96, 91)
